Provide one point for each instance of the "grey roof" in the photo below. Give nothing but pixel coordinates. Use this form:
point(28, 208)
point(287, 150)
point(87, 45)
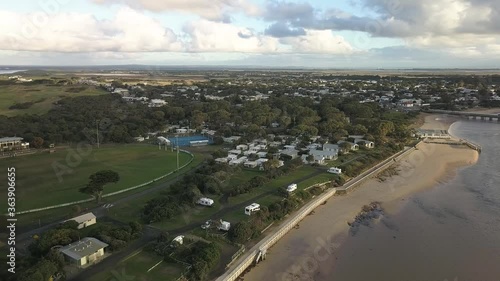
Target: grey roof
point(83, 248)
point(322, 152)
point(10, 139)
point(83, 218)
point(330, 146)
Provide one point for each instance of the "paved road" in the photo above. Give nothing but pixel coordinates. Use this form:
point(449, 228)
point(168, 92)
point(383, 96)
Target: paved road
point(151, 233)
point(23, 239)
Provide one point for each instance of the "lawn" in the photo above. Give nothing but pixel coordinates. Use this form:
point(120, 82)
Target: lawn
point(43, 96)
point(38, 185)
point(136, 266)
point(321, 178)
point(126, 211)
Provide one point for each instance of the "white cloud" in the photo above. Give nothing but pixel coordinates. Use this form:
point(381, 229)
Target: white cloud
point(208, 36)
point(217, 10)
point(128, 31)
point(318, 42)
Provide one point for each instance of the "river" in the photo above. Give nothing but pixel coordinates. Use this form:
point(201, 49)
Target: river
point(450, 232)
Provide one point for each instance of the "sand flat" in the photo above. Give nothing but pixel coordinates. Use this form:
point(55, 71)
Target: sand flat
point(303, 253)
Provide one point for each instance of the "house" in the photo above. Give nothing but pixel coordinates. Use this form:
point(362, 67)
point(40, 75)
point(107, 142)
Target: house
point(251, 164)
point(235, 151)
point(327, 154)
point(139, 139)
point(331, 147)
point(181, 131)
point(365, 143)
point(262, 154)
point(157, 103)
point(242, 147)
point(254, 207)
point(221, 160)
point(84, 220)
point(13, 143)
point(84, 252)
point(231, 139)
point(205, 202)
point(293, 153)
point(353, 146)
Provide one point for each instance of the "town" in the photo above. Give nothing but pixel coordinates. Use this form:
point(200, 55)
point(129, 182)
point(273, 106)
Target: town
point(174, 175)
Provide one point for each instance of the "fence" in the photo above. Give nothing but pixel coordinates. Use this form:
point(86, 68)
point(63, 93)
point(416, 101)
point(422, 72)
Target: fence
point(290, 223)
point(112, 193)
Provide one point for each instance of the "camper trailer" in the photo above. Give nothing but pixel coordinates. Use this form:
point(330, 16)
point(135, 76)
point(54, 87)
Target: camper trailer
point(252, 209)
point(205, 202)
point(335, 170)
point(292, 187)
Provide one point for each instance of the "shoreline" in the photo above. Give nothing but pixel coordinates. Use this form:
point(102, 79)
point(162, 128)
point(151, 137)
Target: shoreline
point(303, 254)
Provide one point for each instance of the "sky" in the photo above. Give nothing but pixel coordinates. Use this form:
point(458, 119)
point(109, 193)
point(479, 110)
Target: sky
point(262, 33)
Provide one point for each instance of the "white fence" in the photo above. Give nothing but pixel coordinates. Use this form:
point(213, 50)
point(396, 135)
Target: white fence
point(112, 193)
point(290, 223)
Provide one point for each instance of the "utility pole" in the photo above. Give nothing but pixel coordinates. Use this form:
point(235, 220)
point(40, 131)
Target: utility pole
point(97, 132)
point(177, 143)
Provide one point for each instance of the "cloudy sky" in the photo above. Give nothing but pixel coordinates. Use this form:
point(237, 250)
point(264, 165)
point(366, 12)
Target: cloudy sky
point(315, 33)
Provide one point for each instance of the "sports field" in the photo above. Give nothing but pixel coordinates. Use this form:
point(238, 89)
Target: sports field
point(38, 184)
point(42, 96)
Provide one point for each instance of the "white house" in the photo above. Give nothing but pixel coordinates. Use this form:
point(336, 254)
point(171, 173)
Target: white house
point(251, 164)
point(205, 202)
point(221, 160)
point(293, 153)
point(235, 151)
point(84, 252)
point(242, 147)
point(181, 131)
point(85, 220)
point(254, 207)
point(331, 147)
point(365, 143)
point(327, 154)
point(157, 103)
point(353, 146)
point(139, 139)
point(163, 140)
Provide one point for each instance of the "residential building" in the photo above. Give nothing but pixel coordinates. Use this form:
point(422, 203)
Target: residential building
point(13, 143)
point(84, 220)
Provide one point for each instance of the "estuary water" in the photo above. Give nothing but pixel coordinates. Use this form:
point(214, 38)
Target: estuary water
point(450, 232)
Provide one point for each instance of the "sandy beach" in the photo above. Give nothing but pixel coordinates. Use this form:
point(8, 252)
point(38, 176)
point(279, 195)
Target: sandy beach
point(306, 253)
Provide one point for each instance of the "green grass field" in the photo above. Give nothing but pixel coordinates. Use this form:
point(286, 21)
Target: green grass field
point(137, 265)
point(46, 94)
point(38, 184)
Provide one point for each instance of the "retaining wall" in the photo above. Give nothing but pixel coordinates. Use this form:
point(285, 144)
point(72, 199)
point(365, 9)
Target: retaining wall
point(291, 222)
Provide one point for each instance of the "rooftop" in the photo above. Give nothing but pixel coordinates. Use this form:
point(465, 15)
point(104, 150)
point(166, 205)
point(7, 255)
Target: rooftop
point(83, 218)
point(83, 248)
point(10, 139)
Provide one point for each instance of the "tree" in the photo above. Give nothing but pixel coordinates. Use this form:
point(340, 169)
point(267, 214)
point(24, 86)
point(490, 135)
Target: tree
point(98, 181)
point(310, 158)
point(37, 142)
point(271, 164)
point(345, 147)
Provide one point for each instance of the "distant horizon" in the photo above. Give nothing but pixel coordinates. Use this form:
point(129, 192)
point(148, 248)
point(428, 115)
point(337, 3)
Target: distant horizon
point(218, 66)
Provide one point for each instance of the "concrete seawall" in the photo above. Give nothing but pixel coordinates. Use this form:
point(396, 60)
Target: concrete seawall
point(258, 252)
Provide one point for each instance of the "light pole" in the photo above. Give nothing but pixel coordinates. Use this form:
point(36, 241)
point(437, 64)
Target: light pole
point(177, 144)
point(97, 132)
